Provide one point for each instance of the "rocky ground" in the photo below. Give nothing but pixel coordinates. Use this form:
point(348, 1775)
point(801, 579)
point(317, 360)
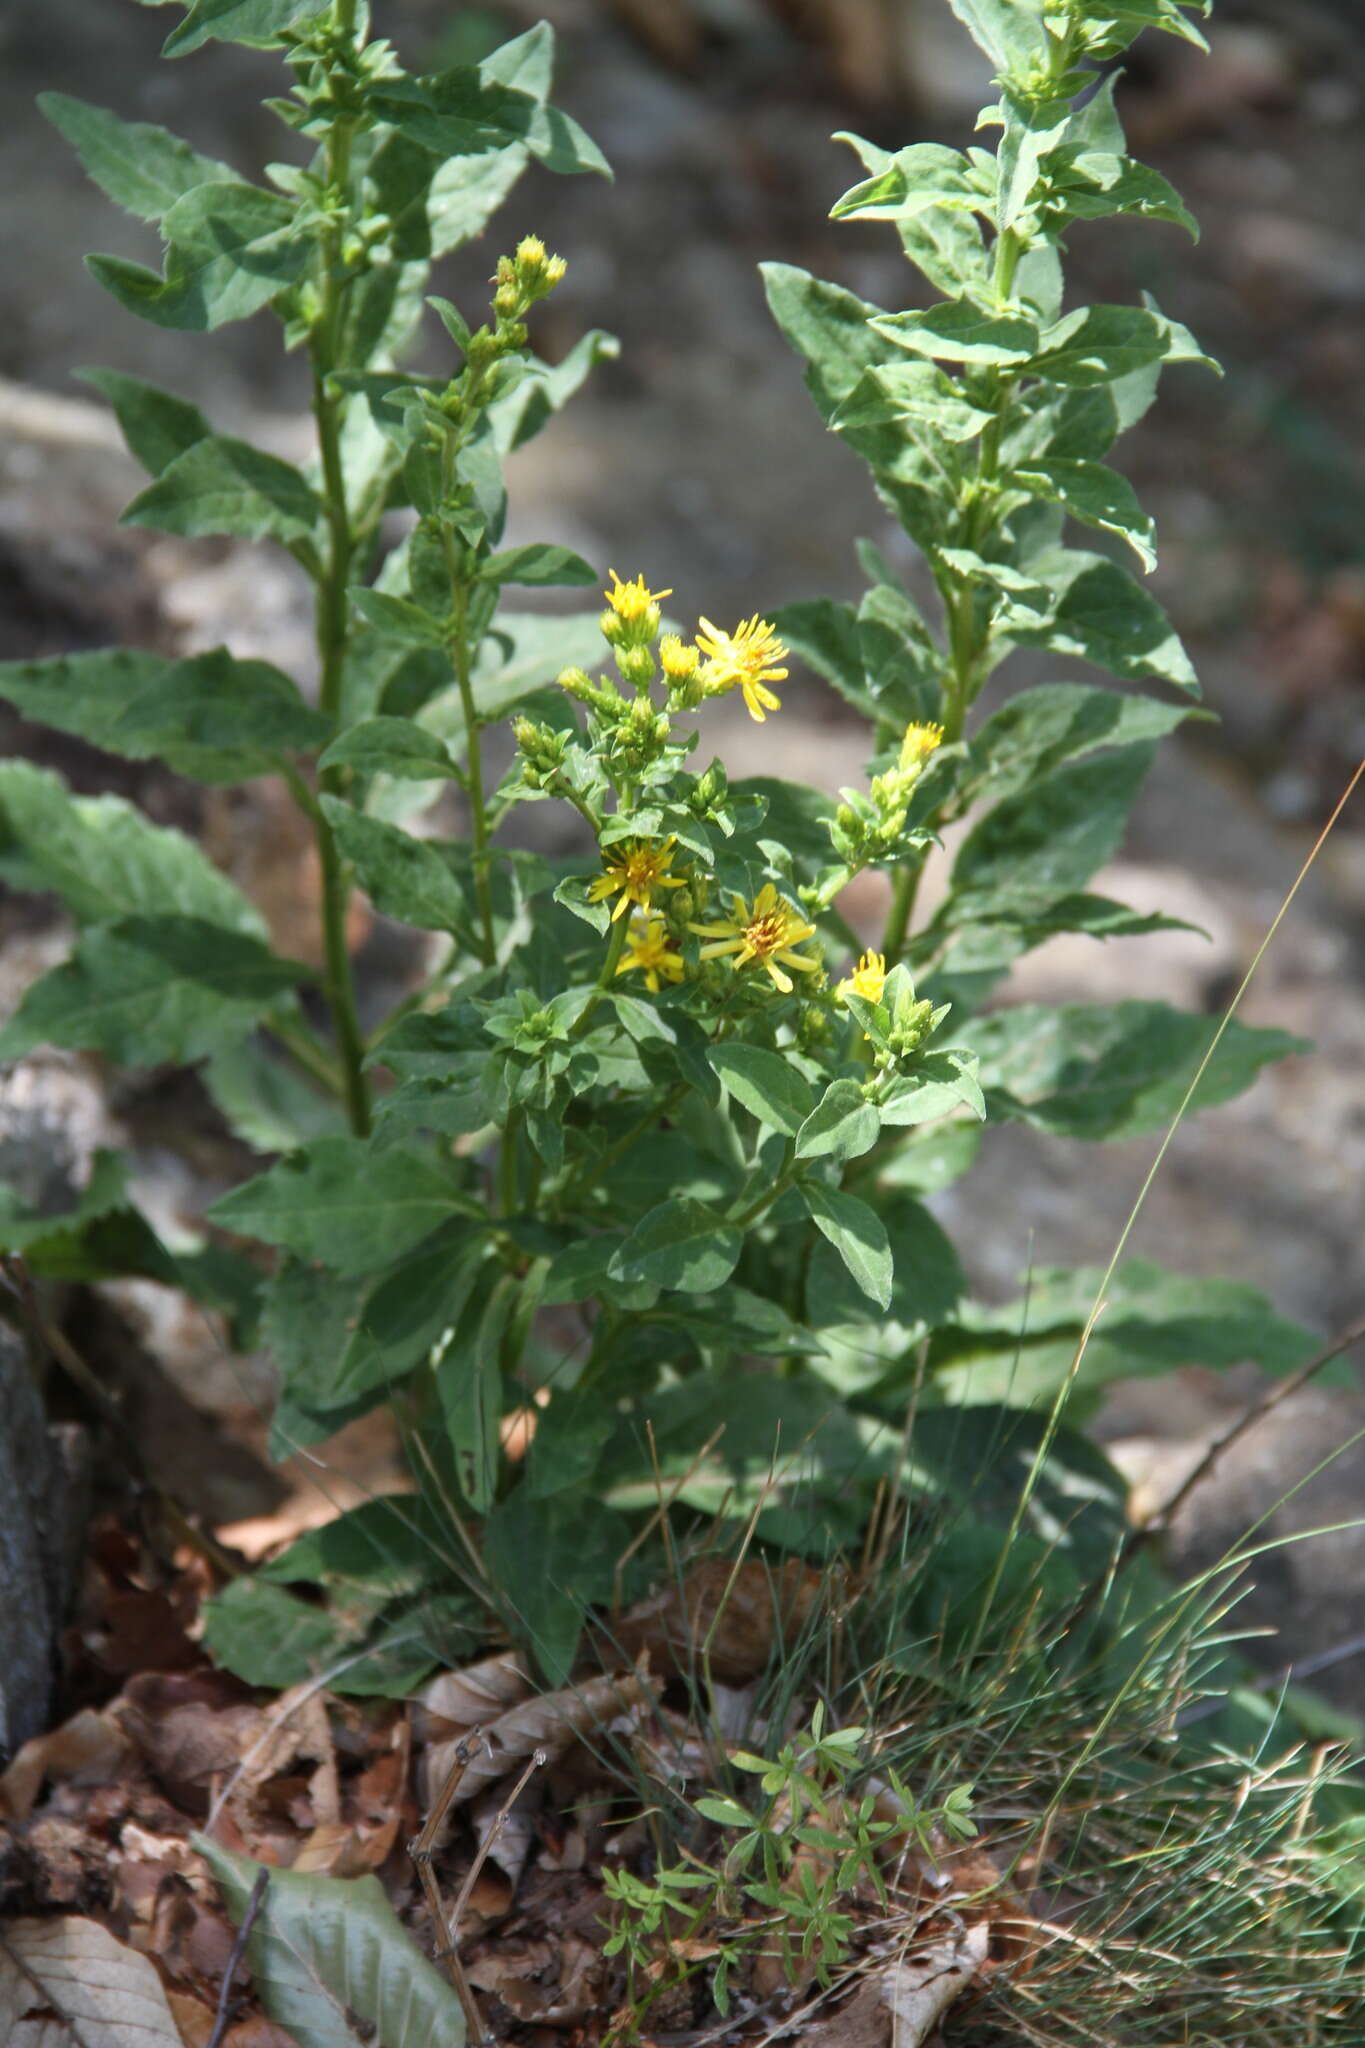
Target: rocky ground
point(698, 460)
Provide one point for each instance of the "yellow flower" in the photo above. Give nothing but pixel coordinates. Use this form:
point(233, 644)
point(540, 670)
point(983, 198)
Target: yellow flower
point(679, 661)
point(746, 657)
point(648, 948)
point(632, 600)
point(633, 872)
point(767, 933)
point(867, 979)
point(919, 743)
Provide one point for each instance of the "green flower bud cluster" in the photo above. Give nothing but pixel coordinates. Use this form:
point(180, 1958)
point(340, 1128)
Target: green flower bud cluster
point(542, 749)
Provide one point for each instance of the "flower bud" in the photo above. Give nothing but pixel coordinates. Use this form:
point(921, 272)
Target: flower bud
point(636, 665)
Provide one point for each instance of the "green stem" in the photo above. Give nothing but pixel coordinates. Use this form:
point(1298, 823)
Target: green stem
point(765, 1201)
point(301, 1045)
point(507, 1164)
point(616, 946)
point(902, 907)
point(332, 620)
point(478, 811)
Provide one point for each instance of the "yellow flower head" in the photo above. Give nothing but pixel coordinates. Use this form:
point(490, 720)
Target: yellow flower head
point(867, 979)
point(766, 933)
point(631, 601)
point(746, 657)
point(632, 871)
point(919, 743)
point(649, 949)
point(678, 660)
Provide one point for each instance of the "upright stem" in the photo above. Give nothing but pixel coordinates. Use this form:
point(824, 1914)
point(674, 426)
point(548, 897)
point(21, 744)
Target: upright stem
point(332, 618)
point(483, 890)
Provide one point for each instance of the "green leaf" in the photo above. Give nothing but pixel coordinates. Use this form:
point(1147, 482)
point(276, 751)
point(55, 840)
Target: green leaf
point(266, 1101)
point(1052, 835)
point(1041, 728)
point(21, 1225)
point(961, 331)
point(332, 1963)
point(152, 988)
point(223, 486)
point(1088, 184)
point(841, 1126)
point(257, 23)
point(466, 111)
point(544, 389)
point(824, 634)
point(681, 1244)
point(829, 329)
point(106, 859)
point(1096, 344)
point(768, 1086)
point(918, 394)
point(549, 1559)
point(1154, 1321)
point(1102, 615)
point(402, 620)
point(404, 878)
point(345, 1202)
point(157, 425)
point(1011, 34)
point(140, 167)
point(269, 1637)
point(538, 566)
point(1095, 494)
point(940, 1083)
point(210, 716)
point(232, 248)
point(914, 179)
point(408, 1311)
point(391, 1544)
point(469, 1380)
point(1096, 1071)
point(391, 746)
point(857, 1234)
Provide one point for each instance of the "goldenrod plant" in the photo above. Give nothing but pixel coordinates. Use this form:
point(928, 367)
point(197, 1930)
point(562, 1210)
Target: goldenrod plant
point(645, 1159)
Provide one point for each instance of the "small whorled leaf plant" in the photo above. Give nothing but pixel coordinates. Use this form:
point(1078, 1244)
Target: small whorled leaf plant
point(645, 1158)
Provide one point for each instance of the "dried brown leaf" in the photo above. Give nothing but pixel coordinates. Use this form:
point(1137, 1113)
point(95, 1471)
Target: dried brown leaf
point(553, 1723)
point(190, 1727)
point(731, 1617)
point(480, 1694)
point(89, 1749)
point(919, 1989)
point(68, 1984)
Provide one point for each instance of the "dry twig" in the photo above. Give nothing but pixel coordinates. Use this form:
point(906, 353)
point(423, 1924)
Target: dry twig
point(253, 1907)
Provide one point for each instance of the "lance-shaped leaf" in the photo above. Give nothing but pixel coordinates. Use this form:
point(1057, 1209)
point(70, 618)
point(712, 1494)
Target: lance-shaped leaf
point(1096, 344)
point(257, 23)
point(1100, 614)
point(465, 112)
point(403, 877)
point(221, 485)
point(232, 249)
point(1094, 494)
point(1041, 728)
point(157, 425)
point(829, 328)
point(940, 1083)
point(824, 634)
point(961, 331)
point(920, 394)
point(768, 1085)
point(1012, 36)
point(469, 1380)
point(842, 1125)
point(391, 746)
point(105, 858)
point(680, 1244)
point(857, 1234)
point(545, 388)
point(346, 1202)
point(332, 1963)
point(1102, 1071)
point(1088, 184)
point(152, 988)
point(1052, 835)
point(914, 179)
point(141, 167)
point(539, 565)
point(945, 242)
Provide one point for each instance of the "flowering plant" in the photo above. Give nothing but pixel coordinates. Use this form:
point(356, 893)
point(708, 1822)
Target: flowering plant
point(643, 1166)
